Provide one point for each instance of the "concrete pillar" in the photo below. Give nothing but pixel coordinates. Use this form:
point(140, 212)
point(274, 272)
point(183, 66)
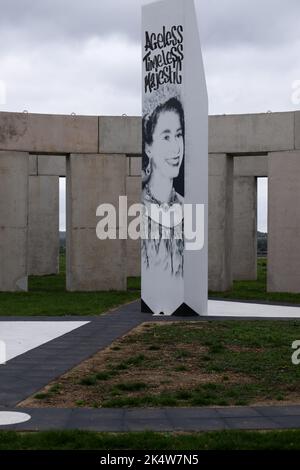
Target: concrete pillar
point(284, 222)
point(220, 222)
point(133, 192)
point(93, 264)
point(43, 235)
point(245, 228)
point(14, 167)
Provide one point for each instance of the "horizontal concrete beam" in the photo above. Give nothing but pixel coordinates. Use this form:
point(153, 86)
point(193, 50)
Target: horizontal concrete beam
point(120, 134)
point(232, 134)
point(252, 133)
point(251, 166)
point(51, 165)
point(48, 133)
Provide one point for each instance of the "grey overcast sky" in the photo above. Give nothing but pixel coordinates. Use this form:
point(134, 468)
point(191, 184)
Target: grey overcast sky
point(63, 56)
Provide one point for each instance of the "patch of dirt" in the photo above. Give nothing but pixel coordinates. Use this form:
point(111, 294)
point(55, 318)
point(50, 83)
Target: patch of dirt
point(235, 348)
point(169, 368)
point(150, 365)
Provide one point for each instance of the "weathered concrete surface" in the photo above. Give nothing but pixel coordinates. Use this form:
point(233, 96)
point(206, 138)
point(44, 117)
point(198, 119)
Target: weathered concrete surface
point(133, 192)
point(246, 133)
point(244, 228)
point(33, 169)
point(14, 168)
point(48, 133)
point(251, 166)
point(297, 130)
point(120, 134)
point(136, 166)
point(220, 222)
point(52, 165)
point(94, 264)
point(284, 222)
point(127, 165)
point(43, 221)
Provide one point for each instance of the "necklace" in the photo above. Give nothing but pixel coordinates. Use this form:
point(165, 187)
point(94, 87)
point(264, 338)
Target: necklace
point(164, 205)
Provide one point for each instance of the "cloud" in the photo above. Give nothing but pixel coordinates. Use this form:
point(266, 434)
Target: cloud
point(222, 23)
point(70, 20)
point(84, 57)
point(245, 79)
point(101, 76)
point(259, 23)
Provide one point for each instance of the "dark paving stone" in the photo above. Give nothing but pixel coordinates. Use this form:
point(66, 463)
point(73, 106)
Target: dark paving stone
point(270, 411)
point(134, 425)
point(145, 413)
point(191, 413)
point(287, 422)
point(250, 423)
point(104, 420)
point(238, 412)
point(200, 424)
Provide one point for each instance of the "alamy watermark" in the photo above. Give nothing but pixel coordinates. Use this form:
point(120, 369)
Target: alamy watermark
point(295, 97)
point(2, 352)
point(296, 353)
point(180, 221)
point(2, 92)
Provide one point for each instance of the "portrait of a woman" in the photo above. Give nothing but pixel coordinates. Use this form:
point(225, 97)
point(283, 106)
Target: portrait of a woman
point(163, 189)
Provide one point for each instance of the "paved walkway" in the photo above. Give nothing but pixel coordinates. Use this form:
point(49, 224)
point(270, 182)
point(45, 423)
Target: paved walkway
point(160, 419)
point(32, 367)
point(29, 372)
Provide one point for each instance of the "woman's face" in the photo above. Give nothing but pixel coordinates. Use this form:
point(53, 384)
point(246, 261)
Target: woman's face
point(167, 148)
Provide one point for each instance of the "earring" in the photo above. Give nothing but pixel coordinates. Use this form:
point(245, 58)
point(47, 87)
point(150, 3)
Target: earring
point(149, 168)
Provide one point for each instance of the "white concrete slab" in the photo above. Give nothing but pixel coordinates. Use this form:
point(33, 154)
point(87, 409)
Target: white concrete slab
point(20, 336)
point(218, 308)
point(10, 417)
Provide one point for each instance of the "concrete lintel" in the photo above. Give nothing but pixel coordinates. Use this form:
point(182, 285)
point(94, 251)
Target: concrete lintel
point(52, 165)
point(120, 134)
point(251, 166)
point(48, 133)
point(252, 132)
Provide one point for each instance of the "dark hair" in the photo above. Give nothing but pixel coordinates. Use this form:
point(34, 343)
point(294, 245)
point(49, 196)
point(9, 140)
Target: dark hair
point(149, 122)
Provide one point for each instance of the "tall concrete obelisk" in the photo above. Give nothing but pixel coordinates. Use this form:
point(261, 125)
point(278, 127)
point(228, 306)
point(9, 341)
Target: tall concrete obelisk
point(175, 161)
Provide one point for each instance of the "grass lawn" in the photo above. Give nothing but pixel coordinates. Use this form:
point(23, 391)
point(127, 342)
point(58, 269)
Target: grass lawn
point(257, 290)
point(47, 296)
point(81, 440)
point(245, 290)
point(185, 364)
